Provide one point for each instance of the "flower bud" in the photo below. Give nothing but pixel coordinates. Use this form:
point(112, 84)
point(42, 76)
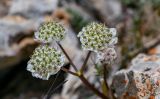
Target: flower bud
point(106, 56)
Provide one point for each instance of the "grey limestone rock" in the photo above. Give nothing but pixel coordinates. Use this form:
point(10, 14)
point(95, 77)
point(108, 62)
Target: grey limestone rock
point(32, 8)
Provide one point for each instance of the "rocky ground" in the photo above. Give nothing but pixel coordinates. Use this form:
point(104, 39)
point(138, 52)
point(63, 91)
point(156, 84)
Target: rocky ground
point(138, 32)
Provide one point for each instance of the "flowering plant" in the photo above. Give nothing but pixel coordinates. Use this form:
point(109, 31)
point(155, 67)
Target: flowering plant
point(47, 60)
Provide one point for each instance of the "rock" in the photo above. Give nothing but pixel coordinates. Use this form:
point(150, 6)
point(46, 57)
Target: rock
point(17, 52)
point(155, 50)
point(4, 6)
point(16, 41)
point(10, 27)
point(141, 80)
point(110, 9)
point(32, 8)
point(62, 15)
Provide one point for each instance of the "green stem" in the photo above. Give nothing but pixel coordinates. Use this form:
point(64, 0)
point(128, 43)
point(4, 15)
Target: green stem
point(104, 79)
point(109, 93)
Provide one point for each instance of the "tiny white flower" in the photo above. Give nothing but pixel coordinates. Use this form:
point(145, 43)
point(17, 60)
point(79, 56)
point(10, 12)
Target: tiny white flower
point(113, 31)
point(113, 42)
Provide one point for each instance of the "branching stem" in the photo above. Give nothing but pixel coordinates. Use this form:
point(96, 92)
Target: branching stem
point(68, 71)
point(81, 76)
point(92, 88)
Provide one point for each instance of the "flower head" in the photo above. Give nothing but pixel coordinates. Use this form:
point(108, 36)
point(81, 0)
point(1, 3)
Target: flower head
point(106, 56)
point(96, 37)
point(45, 62)
point(50, 31)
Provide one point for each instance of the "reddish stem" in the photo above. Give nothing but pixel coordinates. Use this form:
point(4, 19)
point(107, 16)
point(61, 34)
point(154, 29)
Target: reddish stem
point(92, 88)
point(69, 59)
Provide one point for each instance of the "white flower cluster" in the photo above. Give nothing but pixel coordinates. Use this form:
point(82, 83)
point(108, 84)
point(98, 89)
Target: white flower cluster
point(50, 31)
point(96, 37)
point(106, 56)
point(45, 62)
point(100, 39)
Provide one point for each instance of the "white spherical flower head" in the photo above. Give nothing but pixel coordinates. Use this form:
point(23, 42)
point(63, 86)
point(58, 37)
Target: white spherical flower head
point(106, 56)
point(45, 61)
point(96, 37)
point(50, 31)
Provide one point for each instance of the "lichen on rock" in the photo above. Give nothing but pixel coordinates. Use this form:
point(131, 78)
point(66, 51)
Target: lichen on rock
point(141, 80)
